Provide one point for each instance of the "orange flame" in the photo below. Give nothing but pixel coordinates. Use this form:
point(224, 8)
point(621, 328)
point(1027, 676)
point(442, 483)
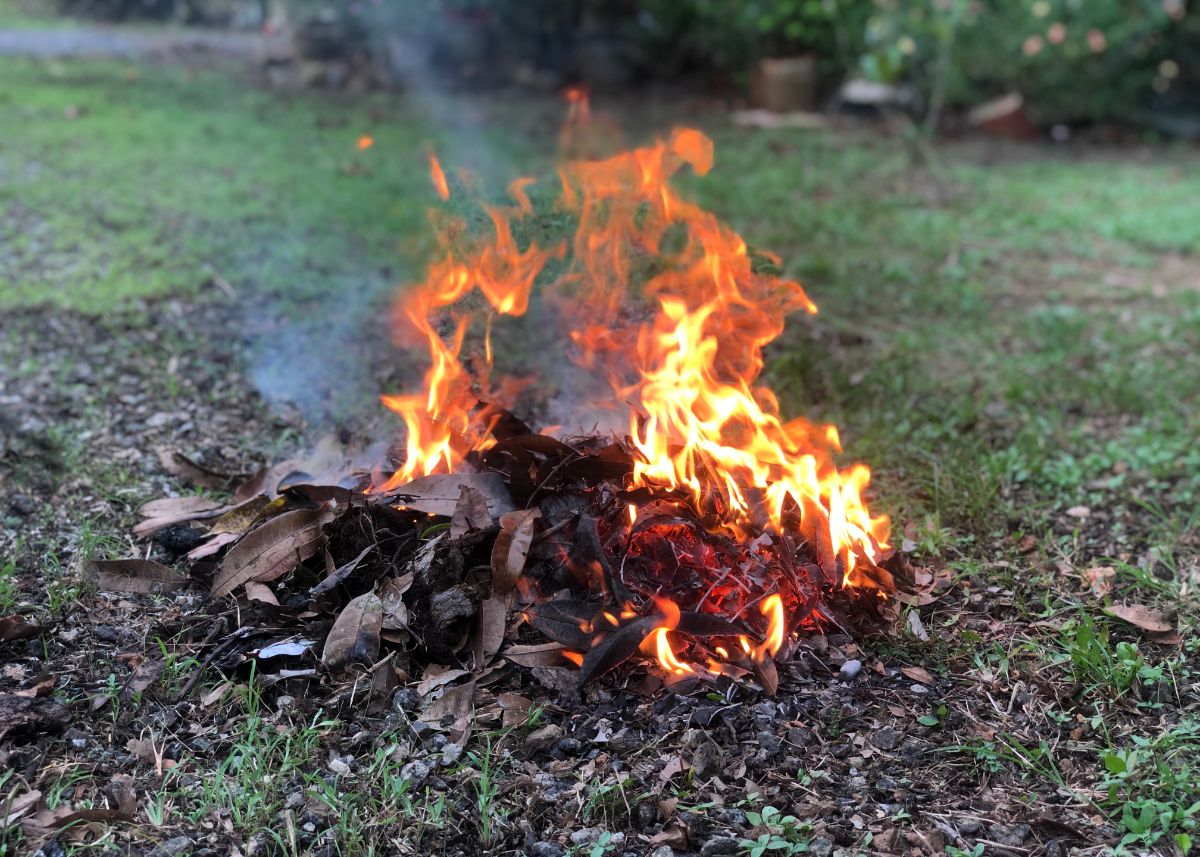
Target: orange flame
point(772, 608)
point(365, 142)
point(701, 424)
point(438, 177)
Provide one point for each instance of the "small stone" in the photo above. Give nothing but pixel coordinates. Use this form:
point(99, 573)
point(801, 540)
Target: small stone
point(647, 815)
point(294, 801)
point(406, 699)
point(543, 738)
point(821, 846)
point(851, 668)
point(1013, 835)
point(886, 738)
point(770, 743)
point(720, 846)
point(451, 753)
point(1079, 512)
point(23, 505)
point(285, 704)
point(569, 746)
point(968, 826)
point(798, 736)
point(546, 849)
point(416, 771)
point(176, 846)
point(733, 816)
point(662, 851)
point(339, 768)
point(585, 836)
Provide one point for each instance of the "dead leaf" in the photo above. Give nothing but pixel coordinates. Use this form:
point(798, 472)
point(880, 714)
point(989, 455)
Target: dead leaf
point(471, 512)
point(214, 696)
point(917, 626)
point(1100, 578)
point(43, 685)
point(1079, 512)
point(767, 675)
point(212, 545)
point(339, 574)
point(144, 676)
point(256, 591)
point(17, 627)
point(178, 464)
point(489, 636)
point(511, 548)
point(176, 510)
point(273, 549)
point(1141, 616)
point(135, 575)
point(918, 674)
point(391, 593)
point(48, 822)
point(19, 807)
point(354, 637)
point(438, 495)
point(616, 648)
point(240, 517)
point(536, 655)
point(452, 710)
point(514, 708)
point(120, 792)
point(436, 676)
point(143, 749)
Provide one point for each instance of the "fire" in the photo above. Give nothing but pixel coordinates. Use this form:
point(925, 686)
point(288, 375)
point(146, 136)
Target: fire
point(438, 177)
point(365, 142)
point(701, 424)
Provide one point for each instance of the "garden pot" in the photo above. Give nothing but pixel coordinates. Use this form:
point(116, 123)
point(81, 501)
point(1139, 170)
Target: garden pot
point(786, 84)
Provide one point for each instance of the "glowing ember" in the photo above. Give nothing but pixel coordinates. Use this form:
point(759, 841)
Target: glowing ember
point(438, 177)
point(365, 142)
point(700, 428)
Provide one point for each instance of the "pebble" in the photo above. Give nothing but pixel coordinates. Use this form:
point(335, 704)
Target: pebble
point(406, 699)
point(451, 754)
point(546, 849)
point(339, 768)
point(851, 668)
point(285, 704)
point(720, 846)
point(1013, 835)
point(543, 738)
point(417, 771)
point(821, 846)
point(887, 738)
point(176, 846)
point(662, 851)
point(585, 835)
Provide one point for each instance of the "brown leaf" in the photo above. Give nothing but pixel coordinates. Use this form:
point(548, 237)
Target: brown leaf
point(178, 464)
point(511, 548)
point(47, 822)
point(767, 675)
point(43, 685)
point(438, 495)
point(144, 676)
point(273, 549)
point(452, 710)
point(537, 655)
point(391, 593)
point(135, 575)
point(918, 674)
point(489, 636)
point(471, 513)
point(1141, 616)
point(212, 545)
point(19, 807)
point(120, 792)
point(436, 676)
point(1100, 578)
point(354, 637)
point(176, 510)
point(338, 575)
point(256, 591)
point(17, 627)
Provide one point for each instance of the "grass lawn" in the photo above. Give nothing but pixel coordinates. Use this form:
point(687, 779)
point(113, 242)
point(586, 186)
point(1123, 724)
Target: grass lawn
point(1008, 338)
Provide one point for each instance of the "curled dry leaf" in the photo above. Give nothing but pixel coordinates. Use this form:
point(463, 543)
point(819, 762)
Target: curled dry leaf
point(145, 675)
point(46, 822)
point(536, 655)
point(163, 513)
point(135, 575)
point(212, 545)
point(256, 591)
point(178, 464)
point(354, 637)
point(19, 807)
point(452, 710)
point(274, 549)
point(511, 548)
point(391, 593)
point(471, 513)
point(1141, 616)
point(489, 636)
point(17, 627)
point(239, 518)
point(1100, 578)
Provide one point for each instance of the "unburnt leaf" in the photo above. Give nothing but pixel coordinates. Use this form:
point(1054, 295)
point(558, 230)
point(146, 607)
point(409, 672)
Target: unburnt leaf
point(242, 516)
point(489, 636)
point(536, 655)
point(1141, 616)
point(256, 591)
point(438, 494)
point(18, 807)
point(452, 711)
point(178, 464)
point(135, 575)
point(46, 822)
point(17, 627)
point(354, 637)
point(145, 675)
point(617, 647)
point(339, 574)
point(391, 593)
point(471, 513)
point(163, 513)
point(212, 545)
point(272, 550)
point(511, 548)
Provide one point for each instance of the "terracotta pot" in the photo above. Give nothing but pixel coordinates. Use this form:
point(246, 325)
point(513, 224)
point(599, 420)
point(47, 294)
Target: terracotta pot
point(785, 85)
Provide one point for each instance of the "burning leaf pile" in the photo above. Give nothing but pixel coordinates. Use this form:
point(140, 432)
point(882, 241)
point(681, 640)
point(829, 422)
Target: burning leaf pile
point(699, 529)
